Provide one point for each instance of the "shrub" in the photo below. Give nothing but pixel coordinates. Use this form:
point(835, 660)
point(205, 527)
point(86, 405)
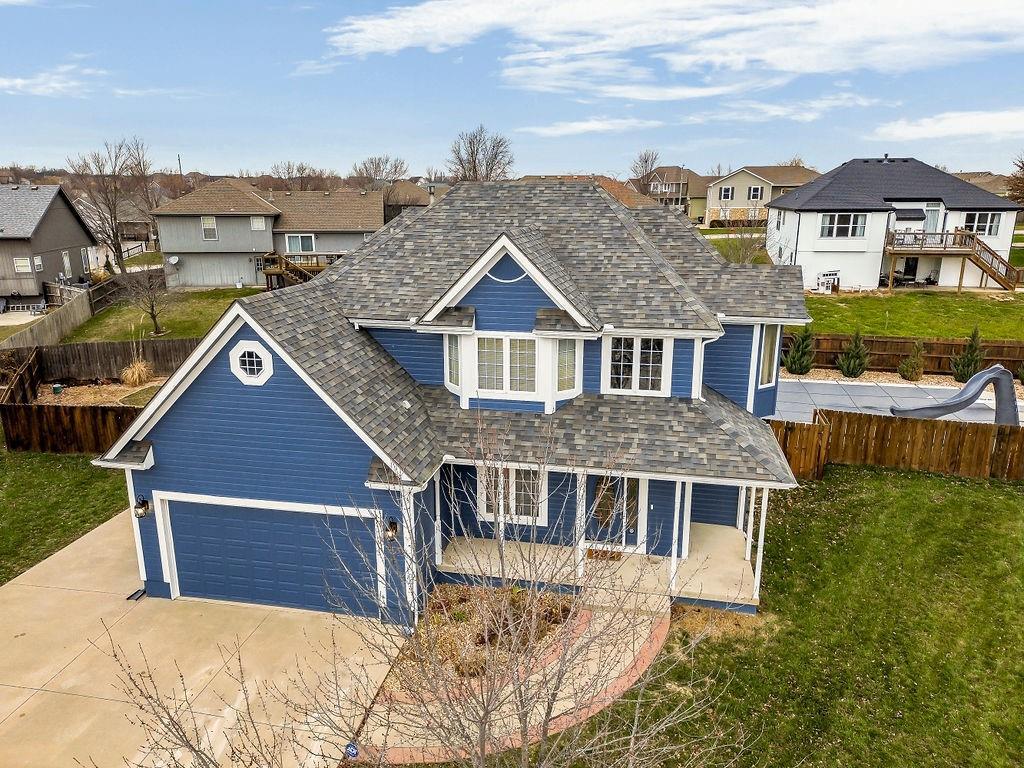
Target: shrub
point(138, 371)
point(968, 362)
point(799, 358)
point(853, 361)
point(912, 368)
point(1020, 373)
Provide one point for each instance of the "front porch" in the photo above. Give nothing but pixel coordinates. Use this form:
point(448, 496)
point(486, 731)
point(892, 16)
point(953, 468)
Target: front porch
point(716, 572)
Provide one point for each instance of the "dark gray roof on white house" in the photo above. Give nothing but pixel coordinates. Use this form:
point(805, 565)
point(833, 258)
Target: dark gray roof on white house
point(873, 184)
point(22, 207)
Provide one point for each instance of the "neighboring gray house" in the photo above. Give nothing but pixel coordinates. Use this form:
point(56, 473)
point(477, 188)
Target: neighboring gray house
point(42, 239)
point(228, 232)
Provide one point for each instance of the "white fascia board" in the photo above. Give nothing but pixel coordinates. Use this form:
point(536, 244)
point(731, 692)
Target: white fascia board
point(369, 322)
point(374, 486)
point(663, 333)
point(147, 463)
point(754, 320)
point(567, 335)
point(503, 244)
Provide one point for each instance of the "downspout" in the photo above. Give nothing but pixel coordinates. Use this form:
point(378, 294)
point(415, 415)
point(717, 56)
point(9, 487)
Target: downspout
point(796, 245)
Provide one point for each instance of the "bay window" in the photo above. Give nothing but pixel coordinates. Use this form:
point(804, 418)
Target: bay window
point(769, 349)
point(982, 223)
point(511, 495)
point(453, 373)
point(566, 364)
point(522, 365)
point(843, 224)
point(506, 364)
point(637, 364)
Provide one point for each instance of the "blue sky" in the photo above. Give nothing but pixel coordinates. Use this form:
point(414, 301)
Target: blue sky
point(578, 86)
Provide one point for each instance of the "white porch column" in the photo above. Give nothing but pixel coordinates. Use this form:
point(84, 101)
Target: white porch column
point(409, 549)
point(684, 551)
point(741, 500)
point(438, 543)
point(580, 524)
point(674, 559)
point(750, 522)
point(760, 543)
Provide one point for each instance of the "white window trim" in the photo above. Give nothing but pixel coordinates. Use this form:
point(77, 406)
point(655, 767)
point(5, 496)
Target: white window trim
point(456, 388)
point(722, 195)
point(834, 227)
point(577, 387)
point(988, 222)
point(203, 228)
point(760, 192)
point(506, 498)
point(37, 261)
point(236, 363)
point(666, 365)
point(542, 371)
point(252, 223)
point(287, 242)
point(775, 354)
point(641, 517)
point(26, 261)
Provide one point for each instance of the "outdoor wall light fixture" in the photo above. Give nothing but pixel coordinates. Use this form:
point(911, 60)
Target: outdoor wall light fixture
point(391, 531)
point(141, 508)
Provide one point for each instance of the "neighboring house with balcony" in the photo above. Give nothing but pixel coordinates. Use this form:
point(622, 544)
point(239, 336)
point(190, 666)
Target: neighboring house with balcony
point(228, 232)
point(620, 362)
point(676, 187)
point(43, 238)
point(741, 196)
point(881, 221)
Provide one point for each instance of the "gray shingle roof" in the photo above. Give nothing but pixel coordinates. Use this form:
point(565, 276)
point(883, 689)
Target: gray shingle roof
point(135, 452)
point(22, 207)
point(872, 184)
point(629, 284)
point(713, 438)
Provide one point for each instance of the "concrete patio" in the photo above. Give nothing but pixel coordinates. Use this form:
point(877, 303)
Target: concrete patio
point(59, 702)
point(799, 398)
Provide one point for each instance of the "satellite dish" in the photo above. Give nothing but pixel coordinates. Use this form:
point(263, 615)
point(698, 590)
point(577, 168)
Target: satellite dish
point(172, 260)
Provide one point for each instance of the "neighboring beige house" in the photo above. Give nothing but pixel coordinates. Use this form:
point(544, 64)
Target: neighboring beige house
point(740, 196)
point(676, 187)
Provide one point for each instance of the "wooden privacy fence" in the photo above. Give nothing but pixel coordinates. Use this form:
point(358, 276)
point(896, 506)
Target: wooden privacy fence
point(64, 428)
point(24, 381)
point(945, 447)
point(887, 352)
point(105, 359)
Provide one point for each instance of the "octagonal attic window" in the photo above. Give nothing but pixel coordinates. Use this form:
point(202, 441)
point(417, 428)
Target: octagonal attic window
point(251, 363)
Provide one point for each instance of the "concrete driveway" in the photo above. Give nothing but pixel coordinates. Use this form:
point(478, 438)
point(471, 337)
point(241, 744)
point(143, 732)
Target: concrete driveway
point(799, 398)
point(59, 701)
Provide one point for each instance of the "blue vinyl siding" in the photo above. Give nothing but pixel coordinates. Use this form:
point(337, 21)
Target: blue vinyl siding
point(727, 363)
point(714, 504)
point(421, 354)
point(592, 366)
point(765, 399)
point(506, 405)
point(274, 557)
point(424, 512)
point(278, 442)
point(682, 368)
point(506, 306)
point(661, 510)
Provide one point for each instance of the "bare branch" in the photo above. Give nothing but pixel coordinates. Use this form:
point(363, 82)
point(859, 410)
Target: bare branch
point(479, 155)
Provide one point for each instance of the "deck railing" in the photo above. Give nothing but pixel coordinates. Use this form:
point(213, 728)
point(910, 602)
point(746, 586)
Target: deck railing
point(958, 242)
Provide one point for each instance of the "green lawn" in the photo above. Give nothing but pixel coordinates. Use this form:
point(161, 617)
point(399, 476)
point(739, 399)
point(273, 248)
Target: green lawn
point(146, 259)
point(737, 250)
point(896, 623)
point(920, 313)
point(1017, 255)
point(729, 230)
point(186, 314)
point(9, 330)
point(49, 500)
point(140, 398)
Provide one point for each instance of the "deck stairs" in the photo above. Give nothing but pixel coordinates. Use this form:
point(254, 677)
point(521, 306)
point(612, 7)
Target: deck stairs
point(962, 243)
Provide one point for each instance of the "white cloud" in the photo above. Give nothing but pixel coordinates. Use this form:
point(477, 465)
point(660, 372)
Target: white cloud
point(64, 80)
point(669, 50)
point(591, 125)
point(173, 93)
point(998, 123)
point(804, 111)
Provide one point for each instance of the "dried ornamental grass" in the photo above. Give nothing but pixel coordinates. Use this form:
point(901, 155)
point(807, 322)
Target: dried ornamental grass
point(137, 373)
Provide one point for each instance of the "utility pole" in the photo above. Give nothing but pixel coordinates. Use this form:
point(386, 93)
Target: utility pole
point(182, 175)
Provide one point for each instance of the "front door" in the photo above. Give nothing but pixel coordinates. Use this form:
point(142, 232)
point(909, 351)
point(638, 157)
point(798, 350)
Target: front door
point(613, 506)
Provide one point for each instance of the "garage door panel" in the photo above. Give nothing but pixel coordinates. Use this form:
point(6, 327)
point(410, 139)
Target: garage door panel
point(269, 556)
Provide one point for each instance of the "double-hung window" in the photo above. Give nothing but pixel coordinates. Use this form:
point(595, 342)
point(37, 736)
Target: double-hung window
point(982, 223)
point(453, 360)
point(780, 219)
point(209, 225)
point(755, 193)
point(299, 243)
point(22, 264)
point(512, 495)
point(843, 224)
point(726, 193)
point(769, 350)
point(506, 364)
point(566, 364)
point(38, 260)
point(636, 364)
point(257, 223)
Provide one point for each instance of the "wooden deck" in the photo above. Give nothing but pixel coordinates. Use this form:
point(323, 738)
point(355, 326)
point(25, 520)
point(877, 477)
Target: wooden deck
point(715, 570)
point(961, 244)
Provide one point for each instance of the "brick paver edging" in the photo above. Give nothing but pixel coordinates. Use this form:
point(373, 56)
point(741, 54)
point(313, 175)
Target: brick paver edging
point(644, 658)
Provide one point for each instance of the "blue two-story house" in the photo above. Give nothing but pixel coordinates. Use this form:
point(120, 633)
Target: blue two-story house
point(615, 364)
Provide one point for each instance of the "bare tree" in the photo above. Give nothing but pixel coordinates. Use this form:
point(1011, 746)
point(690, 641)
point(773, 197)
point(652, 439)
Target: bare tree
point(479, 155)
point(796, 161)
point(436, 175)
point(146, 290)
point(1015, 184)
point(643, 167)
point(718, 170)
point(498, 676)
point(746, 246)
point(379, 172)
point(145, 188)
point(103, 181)
point(302, 177)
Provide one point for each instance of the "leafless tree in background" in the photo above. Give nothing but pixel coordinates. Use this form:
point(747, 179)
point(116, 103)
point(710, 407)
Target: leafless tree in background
point(103, 180)
point(378, 172)
point(146, 290)
point(146, 191)
point(436, 175)
point(746, 246)
point(796, 161)
point(1015, 185)
point(718, 170)
point(479, 155)
point(642, 169)
point(303, 177)
point(503, 692)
